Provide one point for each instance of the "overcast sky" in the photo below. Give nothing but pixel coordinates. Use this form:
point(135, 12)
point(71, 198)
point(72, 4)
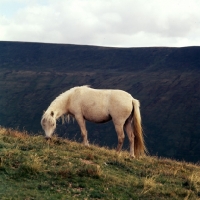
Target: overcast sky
point(117, 23)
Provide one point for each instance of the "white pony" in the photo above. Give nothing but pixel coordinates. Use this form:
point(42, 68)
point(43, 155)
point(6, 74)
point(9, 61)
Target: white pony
point(95, 105)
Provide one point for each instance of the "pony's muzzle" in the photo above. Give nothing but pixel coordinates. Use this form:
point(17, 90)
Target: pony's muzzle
point(47, 138)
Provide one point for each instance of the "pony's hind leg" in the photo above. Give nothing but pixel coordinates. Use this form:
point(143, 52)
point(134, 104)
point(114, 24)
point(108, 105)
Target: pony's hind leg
point(120, 134)
point(81, 123)
point(130, 134)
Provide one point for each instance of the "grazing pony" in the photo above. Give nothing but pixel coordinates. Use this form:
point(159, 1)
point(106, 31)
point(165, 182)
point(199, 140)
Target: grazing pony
point(95, 105)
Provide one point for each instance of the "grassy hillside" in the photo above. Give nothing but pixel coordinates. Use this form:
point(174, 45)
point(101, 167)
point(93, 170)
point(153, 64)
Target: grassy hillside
point(31, 168)
point(165, 80)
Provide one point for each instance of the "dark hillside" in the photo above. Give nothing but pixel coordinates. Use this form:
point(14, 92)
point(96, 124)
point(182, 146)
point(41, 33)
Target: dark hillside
point(165, 80)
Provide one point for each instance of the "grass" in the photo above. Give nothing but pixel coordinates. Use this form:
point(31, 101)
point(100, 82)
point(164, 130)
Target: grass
point(31, 168)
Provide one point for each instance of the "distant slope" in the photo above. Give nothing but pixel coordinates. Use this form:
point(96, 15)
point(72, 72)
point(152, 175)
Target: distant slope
point(61, 169)
point(19, 55)
point(165, 80)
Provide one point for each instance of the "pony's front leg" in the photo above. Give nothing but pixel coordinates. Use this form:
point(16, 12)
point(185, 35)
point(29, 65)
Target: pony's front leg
point(81, 123)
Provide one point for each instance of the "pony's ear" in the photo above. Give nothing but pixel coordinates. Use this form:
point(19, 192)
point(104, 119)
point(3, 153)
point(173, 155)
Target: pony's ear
point(52, 113)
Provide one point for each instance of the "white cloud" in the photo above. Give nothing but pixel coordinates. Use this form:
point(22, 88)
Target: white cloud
point(102, 22)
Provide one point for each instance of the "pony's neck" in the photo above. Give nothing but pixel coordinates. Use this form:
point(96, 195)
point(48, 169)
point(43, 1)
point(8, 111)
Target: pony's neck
point(60, 105)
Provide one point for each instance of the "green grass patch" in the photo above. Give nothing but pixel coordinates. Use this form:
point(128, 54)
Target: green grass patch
point(31, 168)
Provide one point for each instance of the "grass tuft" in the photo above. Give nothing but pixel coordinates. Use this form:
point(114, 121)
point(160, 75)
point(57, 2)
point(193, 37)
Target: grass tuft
point(90, 170)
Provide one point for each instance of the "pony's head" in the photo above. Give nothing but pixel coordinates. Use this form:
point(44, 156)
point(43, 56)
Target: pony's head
point(48, 123)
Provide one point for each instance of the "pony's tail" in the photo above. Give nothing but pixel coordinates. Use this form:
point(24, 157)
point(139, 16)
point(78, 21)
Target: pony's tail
point(139, 145)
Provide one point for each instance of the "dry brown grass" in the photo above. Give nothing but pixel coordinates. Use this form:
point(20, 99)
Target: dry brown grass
point(89, 172)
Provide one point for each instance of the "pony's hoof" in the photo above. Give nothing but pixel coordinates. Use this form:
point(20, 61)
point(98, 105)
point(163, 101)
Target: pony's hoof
point(132, 156)
point(86, 144)
point(118, 154)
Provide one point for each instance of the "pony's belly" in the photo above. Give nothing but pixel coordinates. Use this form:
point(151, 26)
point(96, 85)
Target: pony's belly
point(98, 119)
point(96, 114)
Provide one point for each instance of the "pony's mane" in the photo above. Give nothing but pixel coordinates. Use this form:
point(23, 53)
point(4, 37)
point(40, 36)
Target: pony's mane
point(83, 86)
point(70, 90)
point(59, 100)
point(67, 118)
